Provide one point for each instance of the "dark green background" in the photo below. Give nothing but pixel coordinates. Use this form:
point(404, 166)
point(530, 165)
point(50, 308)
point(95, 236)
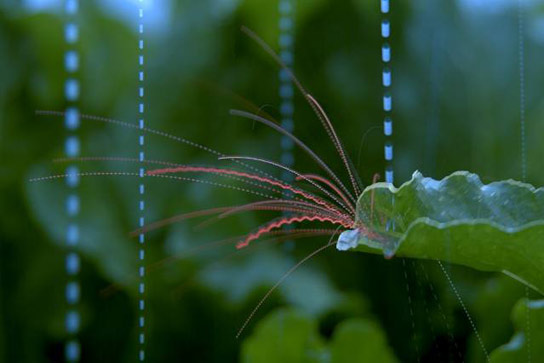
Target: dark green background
point(456, 106)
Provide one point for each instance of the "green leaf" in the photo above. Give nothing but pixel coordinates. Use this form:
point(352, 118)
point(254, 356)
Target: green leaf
point(284, 336)
point(359, 340)
point(528, 319)
point(287, 335)
point(485, 308)
point(493, 227)
point(237, 280)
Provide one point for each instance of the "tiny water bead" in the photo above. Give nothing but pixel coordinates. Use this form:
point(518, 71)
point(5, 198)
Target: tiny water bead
point(71, 146)
point(71, 61)
point(389, 175)
point(384, 6)
point(71, 33)
point(72, 234)
point(71, 6)
point(72, 351)
point(388, 151)
point(380, 242)
point(387, 103)
point(72, 293)
point(72, 205)
point(386, 30)
point(71, 90)
point(72, 118)
point(72, 176)
point(388, 126)
point(72, 263)
point(72, 321)
point(386, 77)
point(386, 53)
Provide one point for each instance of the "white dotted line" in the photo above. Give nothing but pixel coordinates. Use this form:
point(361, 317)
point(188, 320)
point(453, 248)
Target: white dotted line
point(458, 296)
point(141, 187)
point(164, 176)
point(161, 134)
point(72, 348)
point(425, 306)
point(444, 319)
point(78, 175)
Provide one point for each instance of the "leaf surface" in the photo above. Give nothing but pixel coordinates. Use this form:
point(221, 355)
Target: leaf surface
point(490, 227)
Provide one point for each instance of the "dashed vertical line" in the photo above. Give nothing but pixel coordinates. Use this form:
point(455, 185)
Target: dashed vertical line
point(387, 106)
point(72, 348)
point(141, 186)
point(521, 57)
point(286, 90)
point(387, 99)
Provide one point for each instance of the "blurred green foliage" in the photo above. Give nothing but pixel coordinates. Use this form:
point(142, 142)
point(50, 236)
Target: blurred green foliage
point(528, 318)
point(288, 336)
point(456, 107)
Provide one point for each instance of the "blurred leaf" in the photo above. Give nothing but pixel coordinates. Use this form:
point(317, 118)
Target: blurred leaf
point(307, 288)
point(101, 239)
point(284, 336)
point(528, 319)
point(485, 311)
point(494, 227)
point(289, 336)
point(358, 340)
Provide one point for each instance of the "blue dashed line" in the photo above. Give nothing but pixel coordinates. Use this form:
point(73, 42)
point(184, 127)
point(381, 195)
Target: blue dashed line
point(72, 148)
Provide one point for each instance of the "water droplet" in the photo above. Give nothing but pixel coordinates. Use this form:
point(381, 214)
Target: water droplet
point(389, 175)
point(388, 151)
point(386, 53)
point(386, 77)
point(384, 6)
point(347, 240)
point(386, 29)
point(387, 102)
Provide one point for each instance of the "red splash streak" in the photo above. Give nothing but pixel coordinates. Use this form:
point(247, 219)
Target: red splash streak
point(306, 208)
point(285, 221)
